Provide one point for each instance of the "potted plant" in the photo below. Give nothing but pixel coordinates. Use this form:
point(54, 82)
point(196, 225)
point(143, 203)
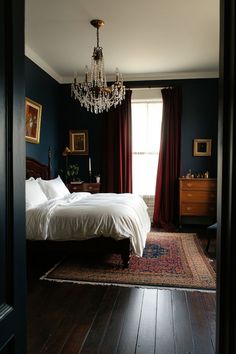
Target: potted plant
point(72, 172)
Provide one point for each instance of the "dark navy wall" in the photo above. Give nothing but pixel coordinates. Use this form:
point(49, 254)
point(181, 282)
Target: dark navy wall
point(60, 113)
point(74, 117)
point(199, 120)
point(42, 88)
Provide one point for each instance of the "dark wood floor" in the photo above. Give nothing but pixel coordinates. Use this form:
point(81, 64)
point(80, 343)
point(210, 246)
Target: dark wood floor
point(68, 318)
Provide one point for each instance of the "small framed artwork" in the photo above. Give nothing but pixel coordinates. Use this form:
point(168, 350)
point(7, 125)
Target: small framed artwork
point(78, 142)
point(33, 112)
point(202, 147)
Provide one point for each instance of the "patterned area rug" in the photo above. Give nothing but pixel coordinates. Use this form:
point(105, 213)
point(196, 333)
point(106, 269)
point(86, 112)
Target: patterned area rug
point(169, 259)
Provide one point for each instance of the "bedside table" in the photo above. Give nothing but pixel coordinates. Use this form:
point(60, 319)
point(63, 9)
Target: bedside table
point(84, 187)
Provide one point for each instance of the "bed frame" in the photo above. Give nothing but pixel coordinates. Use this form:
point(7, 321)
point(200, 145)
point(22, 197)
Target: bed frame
point(98, 245)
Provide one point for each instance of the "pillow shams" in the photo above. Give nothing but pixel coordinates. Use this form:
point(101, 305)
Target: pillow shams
point(33, 193)
point(53, 188)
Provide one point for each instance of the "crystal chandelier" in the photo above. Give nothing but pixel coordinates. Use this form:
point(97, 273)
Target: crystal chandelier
point(93, 93)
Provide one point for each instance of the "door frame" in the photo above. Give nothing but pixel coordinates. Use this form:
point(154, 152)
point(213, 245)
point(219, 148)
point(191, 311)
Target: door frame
point(12, 179)
point(226, 200)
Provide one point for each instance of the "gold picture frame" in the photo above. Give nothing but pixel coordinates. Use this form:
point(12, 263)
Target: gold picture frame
point(202, 147)
point(78, 142)
point(33, 112)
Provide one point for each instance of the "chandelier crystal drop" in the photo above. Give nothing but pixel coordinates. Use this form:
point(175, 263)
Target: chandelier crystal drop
point(93, 93)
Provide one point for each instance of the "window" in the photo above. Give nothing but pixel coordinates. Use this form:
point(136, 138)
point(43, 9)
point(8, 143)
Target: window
point(146, 133)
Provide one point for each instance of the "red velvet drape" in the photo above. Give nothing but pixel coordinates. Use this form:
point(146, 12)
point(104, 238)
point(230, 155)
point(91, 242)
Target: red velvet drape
point(166, 196)
point(117, 155)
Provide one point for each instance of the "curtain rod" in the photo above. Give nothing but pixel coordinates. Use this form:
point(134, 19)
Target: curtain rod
point(149, 88)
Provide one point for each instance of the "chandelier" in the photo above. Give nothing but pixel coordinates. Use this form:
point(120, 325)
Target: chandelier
point(93, 93)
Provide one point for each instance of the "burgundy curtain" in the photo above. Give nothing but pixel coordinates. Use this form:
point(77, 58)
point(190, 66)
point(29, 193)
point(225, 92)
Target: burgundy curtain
point(117, 154)
point(166, 196)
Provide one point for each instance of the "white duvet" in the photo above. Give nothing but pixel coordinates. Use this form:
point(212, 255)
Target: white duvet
point(80, 216)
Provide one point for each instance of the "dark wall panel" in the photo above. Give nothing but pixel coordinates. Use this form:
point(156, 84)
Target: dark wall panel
point(42, 88)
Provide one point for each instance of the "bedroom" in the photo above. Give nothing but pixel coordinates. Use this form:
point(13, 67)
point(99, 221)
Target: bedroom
point(58, 146)
point(199, 119)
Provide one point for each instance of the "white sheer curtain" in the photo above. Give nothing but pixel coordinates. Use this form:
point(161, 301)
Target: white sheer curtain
point(146, 131)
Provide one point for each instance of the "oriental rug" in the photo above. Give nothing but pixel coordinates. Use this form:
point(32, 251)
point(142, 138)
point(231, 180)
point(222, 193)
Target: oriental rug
point(169, 260)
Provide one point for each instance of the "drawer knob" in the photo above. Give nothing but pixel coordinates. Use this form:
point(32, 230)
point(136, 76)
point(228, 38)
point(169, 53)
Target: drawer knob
point(190, 195)
point(189, 184)
point(189, 208)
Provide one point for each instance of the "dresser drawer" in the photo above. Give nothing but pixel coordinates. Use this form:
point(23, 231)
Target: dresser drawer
point(198, 209)
point(195, 184)
point(198, 196)
point(75, 187)
point(85, 187)
point(91, 187)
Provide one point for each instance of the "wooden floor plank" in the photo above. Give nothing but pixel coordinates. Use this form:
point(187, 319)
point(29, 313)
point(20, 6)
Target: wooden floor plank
point(199, 324)
point(83, 313)
point(165, 342)
point(210, 310)
point(128, 338)
point(147, 328)
point(99, 326)
point(182, 325)
point(45, 318)
point(76, 339)
point(82, 307)
point(111, 339)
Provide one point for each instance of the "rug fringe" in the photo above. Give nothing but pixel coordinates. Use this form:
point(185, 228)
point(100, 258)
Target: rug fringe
point(125, 285)
point(43, 277)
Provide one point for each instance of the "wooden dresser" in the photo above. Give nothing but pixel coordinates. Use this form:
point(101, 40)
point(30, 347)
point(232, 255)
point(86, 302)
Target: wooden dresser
point(84, 187)
point(197, 197)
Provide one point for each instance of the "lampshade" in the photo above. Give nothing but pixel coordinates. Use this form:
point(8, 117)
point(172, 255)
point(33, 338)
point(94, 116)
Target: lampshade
point(66, 151)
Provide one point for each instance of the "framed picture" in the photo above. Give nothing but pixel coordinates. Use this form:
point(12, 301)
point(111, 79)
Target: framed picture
point(79, 142)
point(33, 111)
point(202, 147)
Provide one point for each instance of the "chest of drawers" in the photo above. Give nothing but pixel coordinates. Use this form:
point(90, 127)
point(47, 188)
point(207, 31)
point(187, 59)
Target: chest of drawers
point(84, 187)
point(197, 197)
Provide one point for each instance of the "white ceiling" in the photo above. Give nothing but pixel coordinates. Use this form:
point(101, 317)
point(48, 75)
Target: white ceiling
point(150, 39)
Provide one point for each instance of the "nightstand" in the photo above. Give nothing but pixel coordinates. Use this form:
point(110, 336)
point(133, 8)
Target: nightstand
point(84, 187)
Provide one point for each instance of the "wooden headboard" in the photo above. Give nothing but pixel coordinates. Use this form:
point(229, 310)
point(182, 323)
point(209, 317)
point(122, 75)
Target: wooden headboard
point(36, 169)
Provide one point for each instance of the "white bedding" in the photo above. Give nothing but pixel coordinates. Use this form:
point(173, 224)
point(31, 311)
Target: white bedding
point(80, 216)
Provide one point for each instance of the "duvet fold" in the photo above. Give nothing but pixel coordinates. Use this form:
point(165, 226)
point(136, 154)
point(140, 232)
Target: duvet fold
point(81, 216)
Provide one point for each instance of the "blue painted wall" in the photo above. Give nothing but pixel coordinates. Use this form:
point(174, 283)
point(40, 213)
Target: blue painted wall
point(74, 117)
point(62, 113)
point(42, 88)
point(199, 120)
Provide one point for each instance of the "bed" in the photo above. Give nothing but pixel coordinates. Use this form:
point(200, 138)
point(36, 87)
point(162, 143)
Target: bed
point(84, 222)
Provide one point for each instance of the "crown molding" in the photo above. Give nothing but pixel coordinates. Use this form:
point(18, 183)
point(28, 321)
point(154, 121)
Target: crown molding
point(159, 76)
point(127, 77)
point(42, 64)
point(171, 76)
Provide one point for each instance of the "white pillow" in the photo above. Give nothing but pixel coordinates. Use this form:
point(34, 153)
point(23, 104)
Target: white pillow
point(33, 193)
point(53, 188)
